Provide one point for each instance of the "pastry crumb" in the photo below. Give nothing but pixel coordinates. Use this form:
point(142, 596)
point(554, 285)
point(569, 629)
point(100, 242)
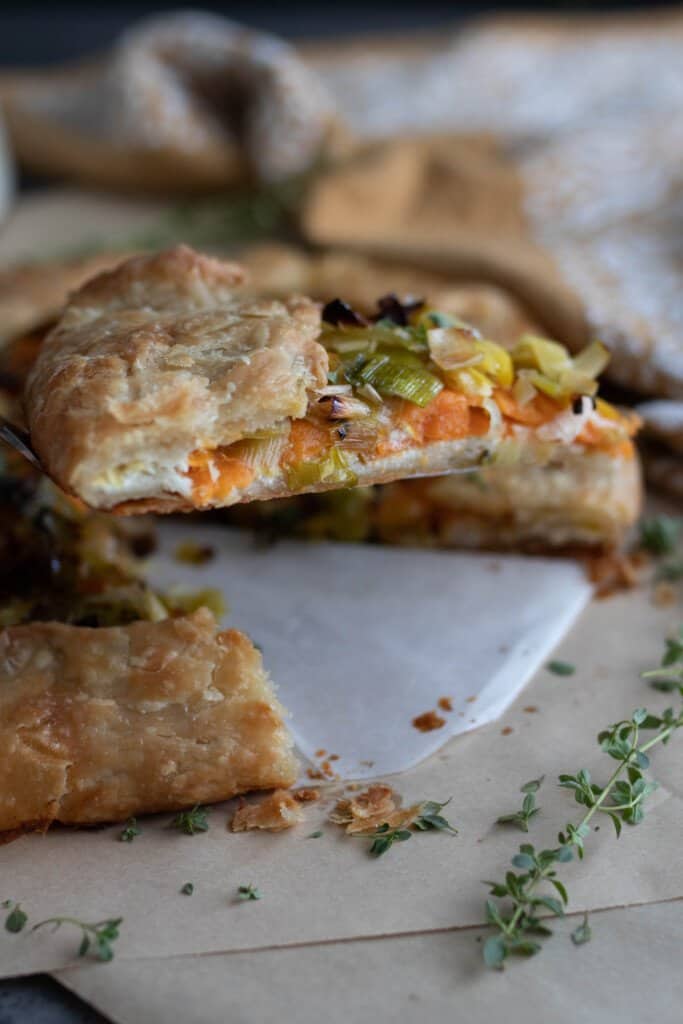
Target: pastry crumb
point(307, 795)
point(445, 703)
point(664, 595)
point(378, 805)
point(613, 572)
point(530, 709)
point(506, 730)
point(428, 721)
point(279, 810)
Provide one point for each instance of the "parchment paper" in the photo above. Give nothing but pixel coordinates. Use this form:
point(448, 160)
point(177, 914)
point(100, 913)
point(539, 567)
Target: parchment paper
point(360, 640)
point(618, 977)
point(328, 888)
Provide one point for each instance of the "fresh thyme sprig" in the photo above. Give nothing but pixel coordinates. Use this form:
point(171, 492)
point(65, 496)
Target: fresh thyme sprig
point(520, 898)
point(669, 676)
point(528, 810)
point(100, 935)
point(191, 822)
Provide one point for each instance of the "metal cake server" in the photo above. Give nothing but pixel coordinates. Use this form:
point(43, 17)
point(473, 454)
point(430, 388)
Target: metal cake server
point(20, 440)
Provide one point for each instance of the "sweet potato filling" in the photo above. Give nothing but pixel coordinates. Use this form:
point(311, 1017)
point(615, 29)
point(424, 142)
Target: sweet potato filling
point(450, 416)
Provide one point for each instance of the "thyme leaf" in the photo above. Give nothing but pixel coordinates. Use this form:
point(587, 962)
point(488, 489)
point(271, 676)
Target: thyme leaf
point(193, 821)
point(16, 919)
point(129, 831)
point(528, 810)
point(249, 892)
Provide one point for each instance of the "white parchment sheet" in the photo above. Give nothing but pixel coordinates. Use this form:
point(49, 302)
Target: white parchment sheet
point(360, 640)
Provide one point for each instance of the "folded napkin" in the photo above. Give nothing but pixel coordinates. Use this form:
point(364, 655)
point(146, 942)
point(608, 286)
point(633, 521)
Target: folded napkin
point(183, 101)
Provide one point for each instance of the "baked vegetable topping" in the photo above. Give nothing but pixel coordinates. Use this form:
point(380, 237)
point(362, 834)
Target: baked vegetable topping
point(411, 376)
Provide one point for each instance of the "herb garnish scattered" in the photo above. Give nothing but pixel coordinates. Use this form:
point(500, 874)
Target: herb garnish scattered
point(100, 935)
point(249, 892)
point(16, 919)
point(129, 831)
point(583, 933)
point(561, 668)
point(528, 810)
point(659, 535)
point(669, 572)
point(518, 899)
point(193, 821)
point(384, 838)
point(187, 889)
point(428, 818)
point(668, 678)
point(315, 835)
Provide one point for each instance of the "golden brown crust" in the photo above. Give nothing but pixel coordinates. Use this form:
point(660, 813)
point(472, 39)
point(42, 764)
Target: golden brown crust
point(100, 724)
point(158, 358)
point(585, 499)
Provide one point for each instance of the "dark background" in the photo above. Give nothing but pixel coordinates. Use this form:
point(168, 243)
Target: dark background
point(49, 33)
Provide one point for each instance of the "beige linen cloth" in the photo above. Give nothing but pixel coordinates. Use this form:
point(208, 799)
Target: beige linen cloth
point(570, 195)
point(182, 102)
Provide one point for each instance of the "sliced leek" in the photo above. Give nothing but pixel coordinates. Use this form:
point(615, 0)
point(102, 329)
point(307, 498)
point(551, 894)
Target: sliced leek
point(534, 353)
point(393, 375)
point(332, 469)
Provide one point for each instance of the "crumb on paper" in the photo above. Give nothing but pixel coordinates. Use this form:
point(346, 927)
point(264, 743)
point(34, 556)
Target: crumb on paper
point(367, 764)
point(325, 772)
point(277, 811)
point(664, 595)
point(428, 721)
point(445, 703)
point(613, 572)
point(320, 753)
point(470, 700)
point(506, 730)
point(333, 757)
point(306, 795)
point(377, 805)
point(530, 709)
